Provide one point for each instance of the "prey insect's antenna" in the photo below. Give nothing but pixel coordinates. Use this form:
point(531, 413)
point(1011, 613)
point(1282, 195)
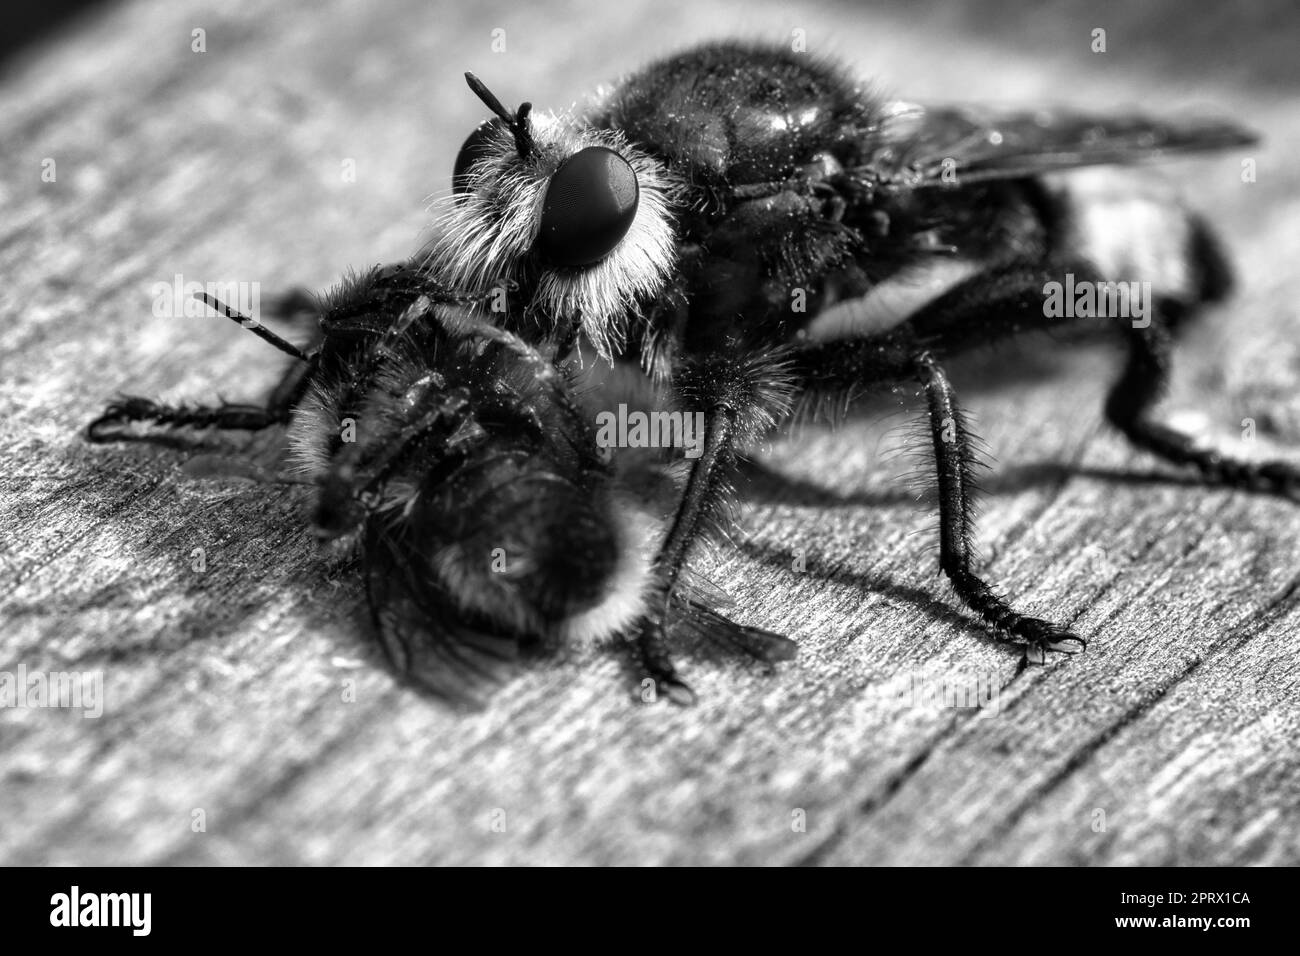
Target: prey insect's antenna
point(254, 326)
point(517, 121)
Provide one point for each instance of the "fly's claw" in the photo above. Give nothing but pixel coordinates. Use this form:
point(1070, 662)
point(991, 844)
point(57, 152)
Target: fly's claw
point(1041, 636)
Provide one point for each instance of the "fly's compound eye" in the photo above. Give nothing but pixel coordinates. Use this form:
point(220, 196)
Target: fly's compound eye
point(475, 148)
point(590, 203)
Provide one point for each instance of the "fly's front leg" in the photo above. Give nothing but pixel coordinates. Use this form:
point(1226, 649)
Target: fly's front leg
point(738, 401)
point(955, 462)
point(702, 499)
point(704, 492)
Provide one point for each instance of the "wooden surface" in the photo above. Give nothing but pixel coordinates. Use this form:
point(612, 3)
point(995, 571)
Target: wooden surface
point(225, 689)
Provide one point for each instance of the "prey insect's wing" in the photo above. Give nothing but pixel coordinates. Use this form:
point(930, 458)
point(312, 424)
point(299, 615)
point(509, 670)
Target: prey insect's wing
point(946, 145)
point(424, 637)
point(756, 642)
point(703, 590)
point(692, 602)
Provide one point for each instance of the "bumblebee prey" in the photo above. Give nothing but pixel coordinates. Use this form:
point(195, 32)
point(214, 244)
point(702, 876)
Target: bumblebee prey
point(763, 234)
point(452, 455)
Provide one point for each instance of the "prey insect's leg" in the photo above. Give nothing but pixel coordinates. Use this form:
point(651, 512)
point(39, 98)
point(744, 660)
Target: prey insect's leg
point(301, 307)
point(133, 408)
point(294, 303)
point(360, 469)
point(227, 416)
point(291, 388)
point(1134, 396)
point(955, 461)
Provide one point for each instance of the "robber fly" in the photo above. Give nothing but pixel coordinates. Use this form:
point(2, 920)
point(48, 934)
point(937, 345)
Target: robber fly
point(676, 222)
point(453, 457)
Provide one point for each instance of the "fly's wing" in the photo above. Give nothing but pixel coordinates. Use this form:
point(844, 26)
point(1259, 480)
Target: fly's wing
point(421, 632)
point(953, 145)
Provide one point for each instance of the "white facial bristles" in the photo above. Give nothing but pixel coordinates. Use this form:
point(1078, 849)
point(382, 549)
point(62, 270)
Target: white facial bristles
point(485, 234)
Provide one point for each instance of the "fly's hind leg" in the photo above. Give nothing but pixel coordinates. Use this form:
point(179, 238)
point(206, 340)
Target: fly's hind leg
point(1140, 387)
point(1145, 379)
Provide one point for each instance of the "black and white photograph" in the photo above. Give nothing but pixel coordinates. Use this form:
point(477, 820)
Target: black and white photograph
point(656, 434)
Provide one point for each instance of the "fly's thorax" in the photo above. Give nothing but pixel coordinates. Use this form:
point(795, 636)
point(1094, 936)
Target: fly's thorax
point(726, 114)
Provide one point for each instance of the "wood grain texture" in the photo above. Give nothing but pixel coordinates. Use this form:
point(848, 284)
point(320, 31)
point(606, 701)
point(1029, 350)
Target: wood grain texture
point(224, 690)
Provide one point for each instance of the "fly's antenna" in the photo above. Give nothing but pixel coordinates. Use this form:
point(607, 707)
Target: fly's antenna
point(253, 325)
point(517, 121)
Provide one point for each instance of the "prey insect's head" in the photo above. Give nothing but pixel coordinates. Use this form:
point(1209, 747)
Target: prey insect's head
point(575, 216)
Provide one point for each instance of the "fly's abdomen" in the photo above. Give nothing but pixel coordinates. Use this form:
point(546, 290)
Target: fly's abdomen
point(1133, 226)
